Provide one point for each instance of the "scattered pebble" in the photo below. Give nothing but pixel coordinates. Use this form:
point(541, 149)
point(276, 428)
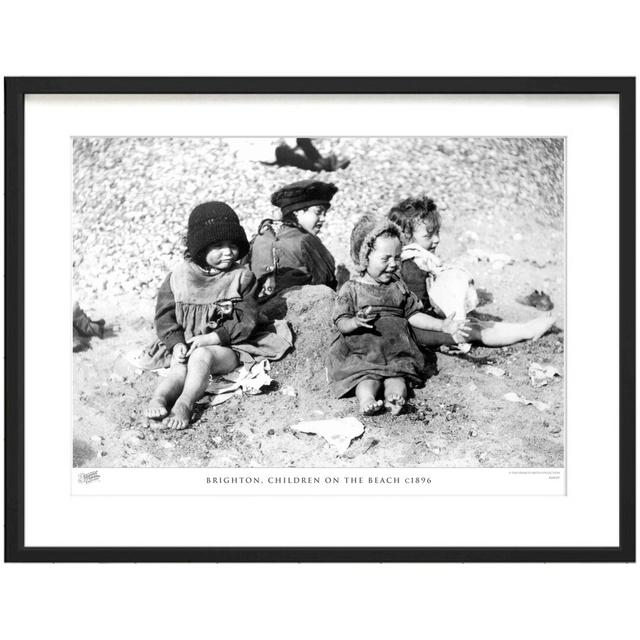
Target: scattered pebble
point(540, 375)
point(369, 443)
point(288, 391)
point(132, 436)
point(98, 439)
point(447, 147)
point(468, 236)
point(246, 432)
point(482, 255)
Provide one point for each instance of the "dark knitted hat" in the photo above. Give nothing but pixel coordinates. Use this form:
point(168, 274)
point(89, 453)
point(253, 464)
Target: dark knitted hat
point(303, 194)
point(363, 237)
point(214, 222)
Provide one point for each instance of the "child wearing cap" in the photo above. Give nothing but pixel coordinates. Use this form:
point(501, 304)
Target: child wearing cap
point(288, 252)
point(206, 314)
point(374, 349)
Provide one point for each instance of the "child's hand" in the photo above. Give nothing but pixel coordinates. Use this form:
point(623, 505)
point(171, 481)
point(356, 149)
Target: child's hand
point(350, 325)
point(180, 353)
point(363, 319)
point(195, 342)
point(459, 329)
point(207, 340)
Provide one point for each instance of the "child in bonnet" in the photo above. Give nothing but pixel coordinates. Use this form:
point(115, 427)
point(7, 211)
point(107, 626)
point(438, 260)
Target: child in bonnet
point(374, 351)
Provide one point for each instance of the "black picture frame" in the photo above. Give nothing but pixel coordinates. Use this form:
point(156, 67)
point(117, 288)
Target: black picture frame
point(15, 91)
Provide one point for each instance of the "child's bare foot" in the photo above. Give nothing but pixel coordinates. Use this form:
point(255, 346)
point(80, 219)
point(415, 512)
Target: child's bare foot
point(370, 406)
point(395, 394)
point(395, 404)
point(179, 417)
point(541, 325)
point(156, 409)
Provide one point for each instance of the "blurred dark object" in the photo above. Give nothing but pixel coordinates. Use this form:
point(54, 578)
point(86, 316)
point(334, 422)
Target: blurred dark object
point(84, 328)
point(80, 343)
point(538, 299)
point(342, 275)
point(484, 297)
point(430, 362)
point(483, 317)
point(305, 156)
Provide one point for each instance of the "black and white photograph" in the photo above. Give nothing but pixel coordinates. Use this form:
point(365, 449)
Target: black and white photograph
point(369, 336)
point(476, 163)
point(317, 302)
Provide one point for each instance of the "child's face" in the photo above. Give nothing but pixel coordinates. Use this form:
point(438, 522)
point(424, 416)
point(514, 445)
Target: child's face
point(384, 259)
point(427, 236)
point(221, 255)
point(312, 218)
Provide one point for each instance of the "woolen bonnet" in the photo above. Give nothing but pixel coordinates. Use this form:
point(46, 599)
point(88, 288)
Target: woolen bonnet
point(305, 193)
point(214, 222)
point(363, 237)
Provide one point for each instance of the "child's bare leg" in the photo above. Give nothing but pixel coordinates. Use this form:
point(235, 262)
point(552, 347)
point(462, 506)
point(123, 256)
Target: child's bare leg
point(202, 362)
point(166, 392)
point(490, 334)
point(395, 394)
point(366, 392)
point(501, 334)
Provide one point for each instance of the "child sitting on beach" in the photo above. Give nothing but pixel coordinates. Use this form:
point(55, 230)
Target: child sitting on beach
point(445, 289)
point(374, 348)
point(288, 252)
point(206, 314)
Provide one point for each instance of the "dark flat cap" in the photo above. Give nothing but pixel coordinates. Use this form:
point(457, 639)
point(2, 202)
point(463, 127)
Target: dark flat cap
point(303, 194)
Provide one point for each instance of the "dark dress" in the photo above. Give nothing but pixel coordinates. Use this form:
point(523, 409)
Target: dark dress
point(192, 302)
point(287, 258)
point(416, 280)
point(387, 351)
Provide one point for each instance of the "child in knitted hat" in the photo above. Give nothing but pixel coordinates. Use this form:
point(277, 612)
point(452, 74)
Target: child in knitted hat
point(206, 313)
point(444, 288)
point(374, 349)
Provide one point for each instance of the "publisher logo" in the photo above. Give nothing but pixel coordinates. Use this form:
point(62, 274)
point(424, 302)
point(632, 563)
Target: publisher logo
point(86, 478)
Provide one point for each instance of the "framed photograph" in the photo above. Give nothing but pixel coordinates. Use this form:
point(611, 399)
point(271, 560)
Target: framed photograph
point(320, 319)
